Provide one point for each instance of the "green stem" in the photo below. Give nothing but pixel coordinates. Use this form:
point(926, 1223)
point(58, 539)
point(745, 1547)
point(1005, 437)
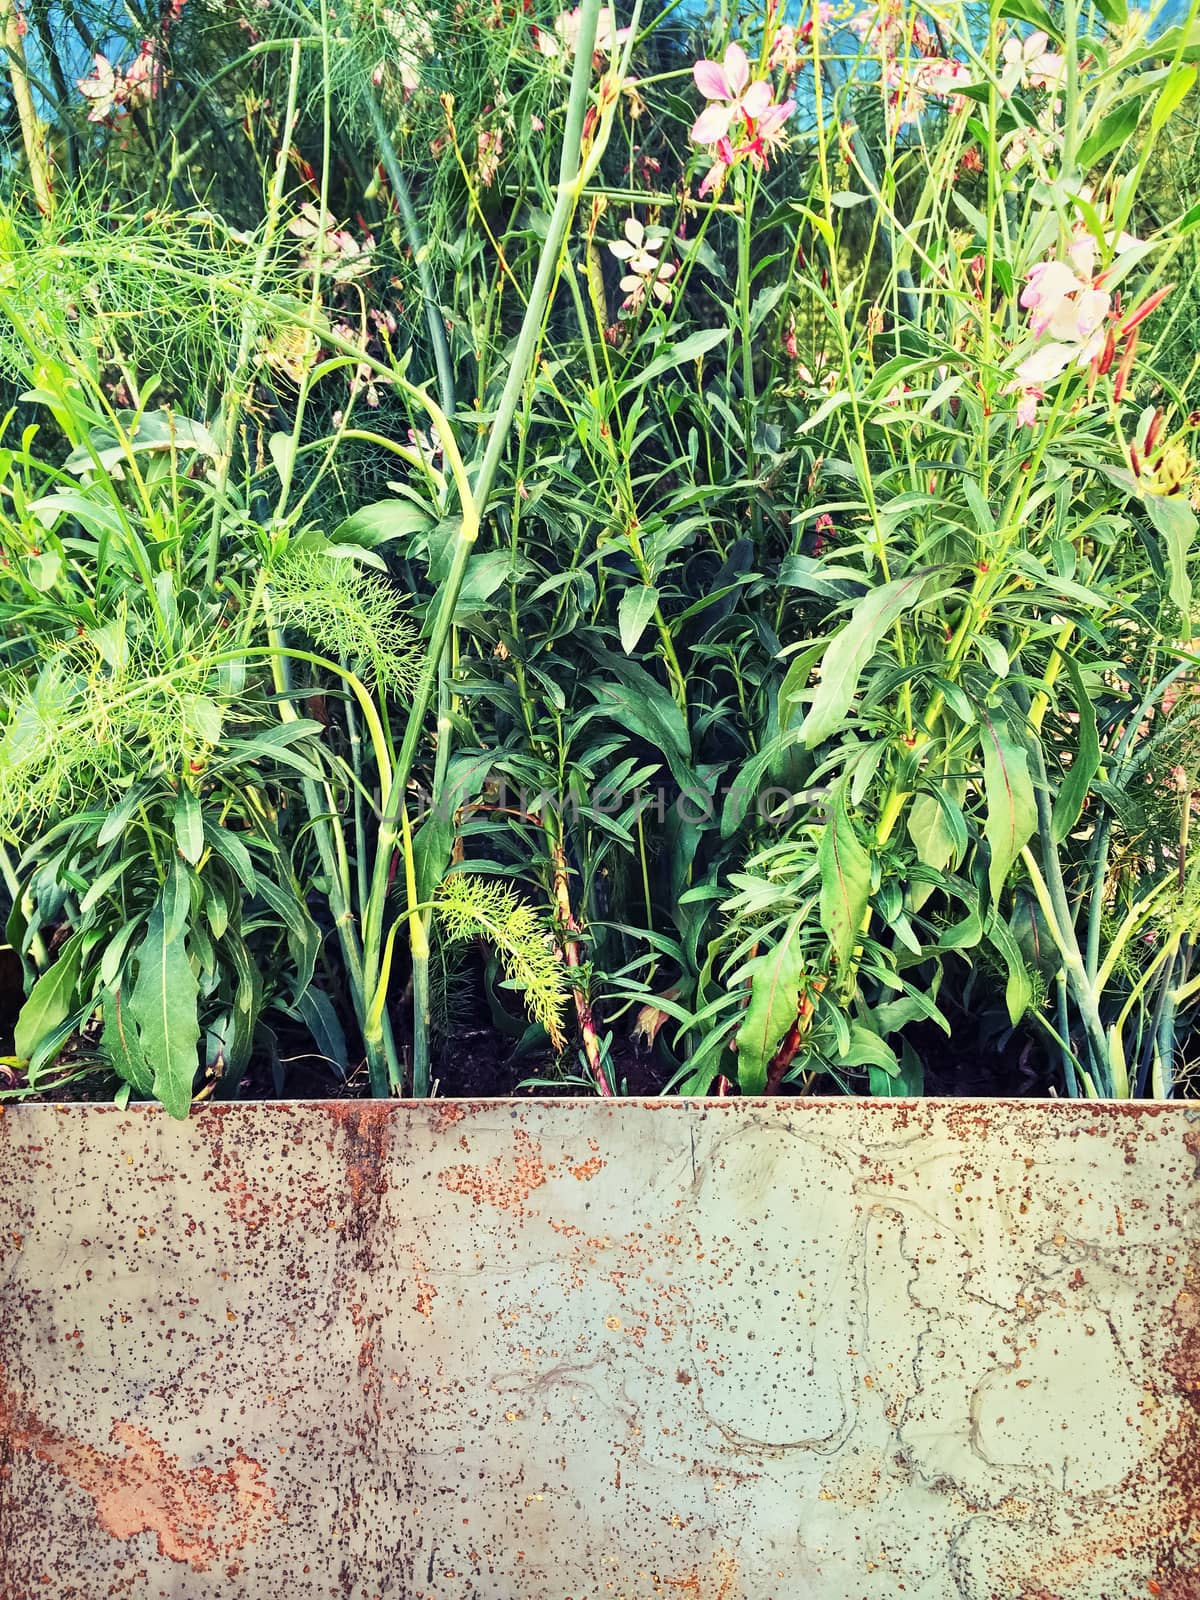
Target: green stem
point(250, 322)
point(474, 499)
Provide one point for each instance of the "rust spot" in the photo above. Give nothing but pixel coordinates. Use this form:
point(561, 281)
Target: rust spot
point(717, 1584)
point(505, 1183)
point(426, 1293)
point(198, 1517)
point(587, 1169)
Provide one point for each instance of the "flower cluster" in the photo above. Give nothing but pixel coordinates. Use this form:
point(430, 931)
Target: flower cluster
point(329, 249)
point(110, 89)
point(1069, 300)
point(738, 109)
point(640, 251)
point(564, 40)
point(411, 38)
point(790, 45)
point(916, 68)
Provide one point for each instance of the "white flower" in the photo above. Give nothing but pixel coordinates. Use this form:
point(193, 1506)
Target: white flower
point(640, 253)
point(1028, 61)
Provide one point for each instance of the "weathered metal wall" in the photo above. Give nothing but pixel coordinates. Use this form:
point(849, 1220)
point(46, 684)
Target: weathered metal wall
point(584, 1351)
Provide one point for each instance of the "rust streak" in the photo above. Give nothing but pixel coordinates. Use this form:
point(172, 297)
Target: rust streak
point(198, 1517)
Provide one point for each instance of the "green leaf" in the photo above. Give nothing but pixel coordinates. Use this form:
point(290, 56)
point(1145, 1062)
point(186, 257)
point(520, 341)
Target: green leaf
point(163, 1005)
point(1113, 131)
point(1032, 12)
point(231, 849)
point(1175, 520)
point(315, 1009)
point(937, 829)
point(485, 573)
point(1073, 790)
point(1179, 84)
point(865, 1048)
point(189, 826)
point(845, 870)
point(690, 349)
point(636, 608)
point(774, 1004)
point(120, 1044)
point(1011, 810)
point(635, 700)
point(383, 521)
point(281, 447)
point(44, 570)
point(305, 940)
point(1018, 990)
point(964, 935)
point(50, 1002)
point(819, 577)
point(852, 647)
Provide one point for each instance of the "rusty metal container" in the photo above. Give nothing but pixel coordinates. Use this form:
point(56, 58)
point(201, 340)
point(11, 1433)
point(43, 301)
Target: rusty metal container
point(601, 1351)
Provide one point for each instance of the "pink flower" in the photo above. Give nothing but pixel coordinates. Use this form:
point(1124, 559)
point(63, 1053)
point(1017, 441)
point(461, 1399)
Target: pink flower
point(330, 249)
point(736, 108)
point(135, 87)
point(881, 29)
point(726, 86)
point(1048, 287)
point(767, 134)
point(565, 38)
point(715, 176)
point(1083, 249)
point(1028, 403)
point(488, 148)
point(941, 77)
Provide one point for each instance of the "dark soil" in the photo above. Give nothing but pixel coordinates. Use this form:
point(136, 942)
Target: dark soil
point(479, 1062)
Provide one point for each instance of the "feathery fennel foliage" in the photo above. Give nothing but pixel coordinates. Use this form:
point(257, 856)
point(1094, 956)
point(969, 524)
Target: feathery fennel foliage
point(351, 615)
point(470, 906)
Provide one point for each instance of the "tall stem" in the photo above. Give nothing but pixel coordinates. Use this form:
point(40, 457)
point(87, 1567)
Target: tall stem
point(474, 497)
point(31, 128)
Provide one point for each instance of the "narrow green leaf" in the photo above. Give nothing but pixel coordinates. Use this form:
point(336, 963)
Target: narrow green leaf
point(937, 829)
point(964, 935)
point(1113, 131)
point(774, 1003)
point(120, 1044)
point(1033, 12)
point(865, 1048)
point(636, 701)
point(852, 647)
point(1073, 790)
point(1179, 84)
point(305, 939)
point(1008, 791)
point(231, 849)
point(163, 1005)
point(315, 1009)
point(189, 826)
point(845, 870)
point(1175, 520)
point(1018, 990)
point(383, 521)
point(486, 572)
point(690, 349)
point(50, 1001)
